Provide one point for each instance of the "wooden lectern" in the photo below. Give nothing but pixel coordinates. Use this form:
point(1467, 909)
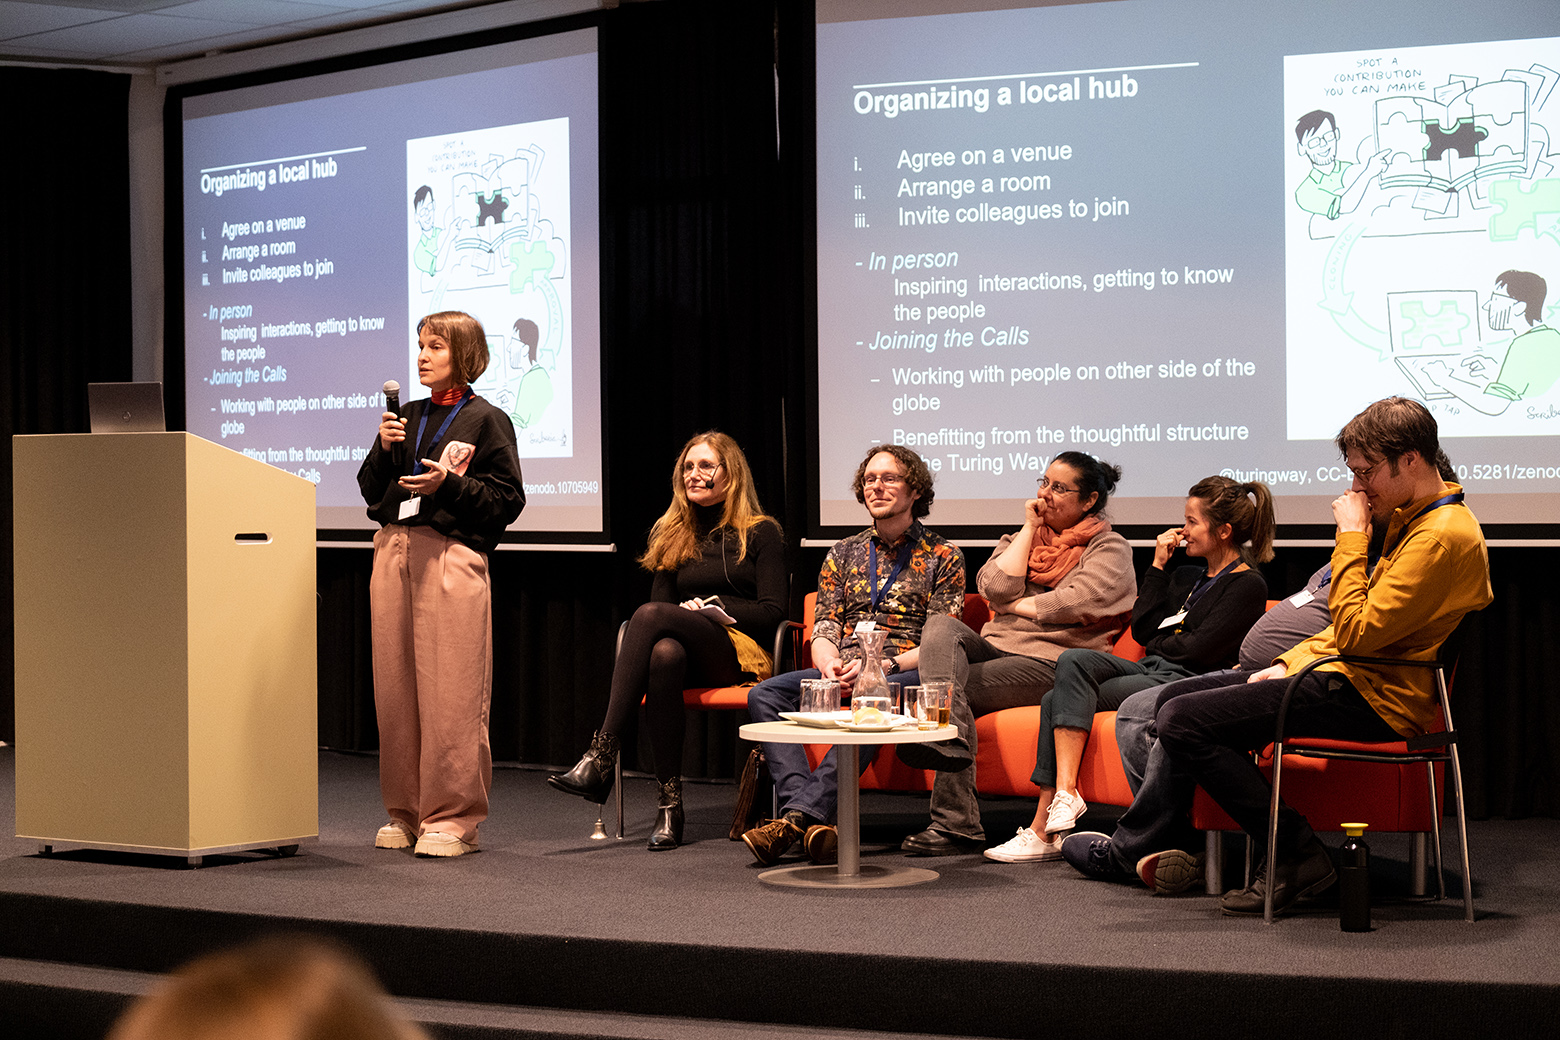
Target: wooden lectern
point(165, 646)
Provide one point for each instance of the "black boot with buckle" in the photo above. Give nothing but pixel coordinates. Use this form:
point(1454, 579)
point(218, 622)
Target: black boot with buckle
point(593, 775)
point(668, 817)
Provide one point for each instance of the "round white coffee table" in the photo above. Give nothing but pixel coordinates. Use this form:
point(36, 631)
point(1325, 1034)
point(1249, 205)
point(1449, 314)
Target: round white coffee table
point(848, 871)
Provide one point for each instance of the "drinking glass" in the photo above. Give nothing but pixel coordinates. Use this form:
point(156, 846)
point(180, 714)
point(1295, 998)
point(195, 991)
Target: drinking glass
point(913, 705)
point(820, 695)
point(936, 704)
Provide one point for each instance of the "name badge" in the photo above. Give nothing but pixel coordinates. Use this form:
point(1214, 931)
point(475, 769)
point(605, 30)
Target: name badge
point(410, 507)
point(1301, 598)
point(1173, 619)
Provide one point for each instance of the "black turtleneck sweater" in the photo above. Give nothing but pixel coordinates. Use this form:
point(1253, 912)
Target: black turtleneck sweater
point(752, 589)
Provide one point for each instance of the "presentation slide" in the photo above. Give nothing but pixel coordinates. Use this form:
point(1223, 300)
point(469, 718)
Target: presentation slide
point(1188, 237)
point(325, 215)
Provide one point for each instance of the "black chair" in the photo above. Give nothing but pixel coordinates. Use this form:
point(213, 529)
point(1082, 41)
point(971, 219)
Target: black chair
point(1431, 748)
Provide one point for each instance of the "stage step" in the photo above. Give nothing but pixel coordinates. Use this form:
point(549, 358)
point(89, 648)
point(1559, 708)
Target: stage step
point(47, 1000)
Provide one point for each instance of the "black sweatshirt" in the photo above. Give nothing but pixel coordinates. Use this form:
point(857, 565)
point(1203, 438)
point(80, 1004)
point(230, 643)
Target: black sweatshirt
point(473, 507)
point(1209, 637)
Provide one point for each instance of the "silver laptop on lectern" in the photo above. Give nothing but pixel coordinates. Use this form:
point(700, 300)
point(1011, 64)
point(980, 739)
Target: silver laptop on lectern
point(126, 407)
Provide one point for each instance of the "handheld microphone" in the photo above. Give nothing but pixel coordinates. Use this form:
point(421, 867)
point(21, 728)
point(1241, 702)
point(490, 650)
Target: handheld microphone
point(393, 404)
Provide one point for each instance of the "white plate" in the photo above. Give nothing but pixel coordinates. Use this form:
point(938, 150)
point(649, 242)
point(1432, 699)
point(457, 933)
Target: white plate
point(890, 721)
point(818, 720)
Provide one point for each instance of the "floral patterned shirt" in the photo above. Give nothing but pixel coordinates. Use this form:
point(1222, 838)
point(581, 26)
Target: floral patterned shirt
point(932, 582)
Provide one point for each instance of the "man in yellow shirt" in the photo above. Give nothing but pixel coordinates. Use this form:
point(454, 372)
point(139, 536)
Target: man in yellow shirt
point(1434, 569)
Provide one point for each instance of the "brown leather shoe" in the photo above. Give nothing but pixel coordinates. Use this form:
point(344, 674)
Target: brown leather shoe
point(822, 843)
point(769, 840)
point(1297, 877)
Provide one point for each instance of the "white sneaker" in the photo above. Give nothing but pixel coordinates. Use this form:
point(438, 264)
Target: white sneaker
point(394, 835)
point(1064, 812)
point(1025, 847)
point(442, 843)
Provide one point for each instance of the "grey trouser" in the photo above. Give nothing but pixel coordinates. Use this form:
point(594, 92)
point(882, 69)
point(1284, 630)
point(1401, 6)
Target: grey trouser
point(985, 680)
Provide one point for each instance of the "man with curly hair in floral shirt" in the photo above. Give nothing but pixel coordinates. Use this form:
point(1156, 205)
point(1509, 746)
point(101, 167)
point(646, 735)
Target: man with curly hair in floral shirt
point(896, 573)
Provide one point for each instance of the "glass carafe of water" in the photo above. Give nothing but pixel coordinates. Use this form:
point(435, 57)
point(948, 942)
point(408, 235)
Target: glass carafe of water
point(870, 703)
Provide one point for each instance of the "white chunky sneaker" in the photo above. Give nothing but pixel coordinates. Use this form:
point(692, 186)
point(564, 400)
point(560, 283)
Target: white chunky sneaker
point(394, 835)
point(441, 843)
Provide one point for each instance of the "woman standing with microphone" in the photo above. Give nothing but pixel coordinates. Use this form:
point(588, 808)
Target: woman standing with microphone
point(442, 501)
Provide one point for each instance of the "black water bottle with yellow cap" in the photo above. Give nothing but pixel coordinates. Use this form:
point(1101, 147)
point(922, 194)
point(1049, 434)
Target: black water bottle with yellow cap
point(1354, 880)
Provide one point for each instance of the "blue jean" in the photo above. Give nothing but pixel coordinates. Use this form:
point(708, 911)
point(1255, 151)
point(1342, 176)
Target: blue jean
point(814, 792)
point(1209, 735)
point(1088, 681)
point(1156, 820)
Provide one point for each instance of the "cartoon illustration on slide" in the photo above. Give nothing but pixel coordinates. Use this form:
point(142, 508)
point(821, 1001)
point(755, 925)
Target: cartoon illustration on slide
point(1531, 361)
point(519, 375)
point(1333, 187)
point(429, 255)
point(1390, 237)
point(498, 248)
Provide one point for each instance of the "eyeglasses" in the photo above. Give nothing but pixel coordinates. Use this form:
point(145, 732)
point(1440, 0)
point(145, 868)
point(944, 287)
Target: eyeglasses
point(1055, 488)
point(889, 481)
point(1319, 142)
point(703, 469)
point(1364, 475)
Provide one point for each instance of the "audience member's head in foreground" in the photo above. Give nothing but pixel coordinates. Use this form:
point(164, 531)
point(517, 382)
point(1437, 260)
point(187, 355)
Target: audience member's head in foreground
point(281, 988)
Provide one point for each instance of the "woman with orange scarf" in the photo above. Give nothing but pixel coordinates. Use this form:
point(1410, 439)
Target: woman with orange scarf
point(1189, 621)
point(1062, 580)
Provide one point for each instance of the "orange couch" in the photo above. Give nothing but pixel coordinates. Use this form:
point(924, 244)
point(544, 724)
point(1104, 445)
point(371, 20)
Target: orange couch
point(1006, 756)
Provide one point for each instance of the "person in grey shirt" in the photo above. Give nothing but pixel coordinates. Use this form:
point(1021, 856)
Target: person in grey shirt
point(1153, 840)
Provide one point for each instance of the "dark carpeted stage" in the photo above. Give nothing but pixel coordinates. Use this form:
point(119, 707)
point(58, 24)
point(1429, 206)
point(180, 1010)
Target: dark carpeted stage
point(547, 933)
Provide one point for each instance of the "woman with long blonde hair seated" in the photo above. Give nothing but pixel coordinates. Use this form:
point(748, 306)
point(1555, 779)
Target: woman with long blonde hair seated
point(713, 540)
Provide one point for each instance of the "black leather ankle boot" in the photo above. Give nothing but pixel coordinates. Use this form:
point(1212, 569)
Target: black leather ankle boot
point(668, 817)
point(593, 775)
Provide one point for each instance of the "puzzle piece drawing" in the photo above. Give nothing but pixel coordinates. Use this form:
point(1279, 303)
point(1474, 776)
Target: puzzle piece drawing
point(1521, 206)
point(530, 259)
point(1441, 329)
point(1464, 140)
point(491, 207)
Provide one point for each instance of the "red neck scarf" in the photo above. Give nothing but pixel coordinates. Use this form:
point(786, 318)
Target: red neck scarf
point(1054, 555)
point(450, 396)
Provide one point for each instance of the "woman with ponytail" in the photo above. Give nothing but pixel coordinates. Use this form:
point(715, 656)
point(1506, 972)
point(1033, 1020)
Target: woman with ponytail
point(1189, 621)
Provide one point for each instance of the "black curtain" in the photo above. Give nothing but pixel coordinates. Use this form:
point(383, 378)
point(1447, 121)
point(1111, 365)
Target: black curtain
point(64, 273)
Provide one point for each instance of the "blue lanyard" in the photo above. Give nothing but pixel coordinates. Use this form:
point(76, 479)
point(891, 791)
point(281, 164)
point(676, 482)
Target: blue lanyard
point(1444, 500)
point(422, 426)
point(893, 575)
point(1205, 583)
